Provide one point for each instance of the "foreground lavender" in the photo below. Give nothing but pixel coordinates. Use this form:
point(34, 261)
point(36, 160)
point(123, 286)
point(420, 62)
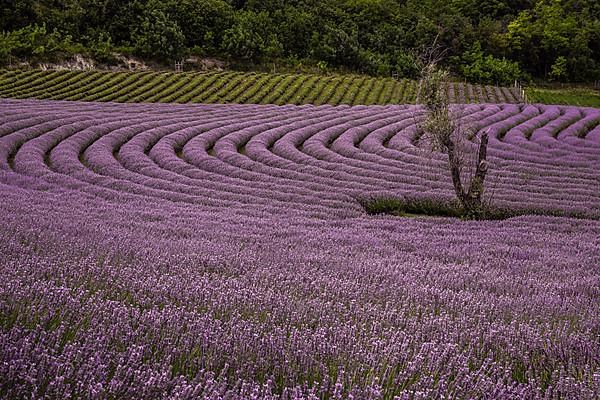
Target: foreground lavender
point(220, 252)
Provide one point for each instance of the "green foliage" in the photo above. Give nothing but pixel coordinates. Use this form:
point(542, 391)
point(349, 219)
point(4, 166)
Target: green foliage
point(406, 64)
point(338, 45)
point(202, 22)
point(102, 48)
point(479, 68)
point(32, 41)
point(405, 207)
point(554, 28)
point(431, 92)
point(558, 71)
point(194, 87)
point(372, 36)
point(423, 207)
point(251, 36)
point(374, 63)
point(569, 96)
point(159, 36)
point(322, 66)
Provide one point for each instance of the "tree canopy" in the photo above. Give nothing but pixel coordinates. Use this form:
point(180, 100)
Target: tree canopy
point(487, 40)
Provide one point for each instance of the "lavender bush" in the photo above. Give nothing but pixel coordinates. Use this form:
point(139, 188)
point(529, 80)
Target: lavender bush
point(220, 252)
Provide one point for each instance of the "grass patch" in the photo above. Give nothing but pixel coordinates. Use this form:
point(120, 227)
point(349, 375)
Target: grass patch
point(568, 96)
point(411, 207)
point(407, 207)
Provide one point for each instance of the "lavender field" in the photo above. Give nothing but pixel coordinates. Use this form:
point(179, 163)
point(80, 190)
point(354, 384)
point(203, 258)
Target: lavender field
point(155, 251)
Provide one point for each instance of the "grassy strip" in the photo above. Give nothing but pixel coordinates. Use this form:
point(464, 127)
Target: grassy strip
point(15, 81)
point(270, 84)
point(171, 89)
point(181, 91)
point(228, 85)
point(406, 207)
point(141, 89)
point(113, 82)
point(81, 89)
point(571, 96)
point(320, 86)
point(205, 82)
point(221, 81)
point(249, 92)
point(308, 87)
point(292, 89)
point(238, 92)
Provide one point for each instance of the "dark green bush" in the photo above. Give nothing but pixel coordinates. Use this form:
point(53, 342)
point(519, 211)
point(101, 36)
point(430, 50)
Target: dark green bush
point(479, 68)
point(444, 208)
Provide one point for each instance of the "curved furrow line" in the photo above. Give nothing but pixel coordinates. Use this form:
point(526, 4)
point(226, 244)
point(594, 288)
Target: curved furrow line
point(373, 147)
point(49, 85)
point(200, 155)
point(78, 90)
point(148, 141)
point(100, 162)
point(111, 176)
point(227, 152)
point(313, 167)
point(308, 160)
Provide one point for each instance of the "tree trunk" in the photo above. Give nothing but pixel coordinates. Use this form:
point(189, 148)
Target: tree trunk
point(455, 171)
point(474, 205)
point(472, 200)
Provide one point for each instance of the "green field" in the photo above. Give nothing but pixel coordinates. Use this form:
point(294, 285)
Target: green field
point(231, 87)
point(572, 96)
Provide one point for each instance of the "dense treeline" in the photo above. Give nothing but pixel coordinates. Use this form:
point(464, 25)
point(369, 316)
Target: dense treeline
point(487, 41)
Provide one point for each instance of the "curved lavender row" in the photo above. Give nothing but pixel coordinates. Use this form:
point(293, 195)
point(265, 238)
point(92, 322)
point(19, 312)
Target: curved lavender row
point(187, 252)
point(353, 173)
point(65, 159)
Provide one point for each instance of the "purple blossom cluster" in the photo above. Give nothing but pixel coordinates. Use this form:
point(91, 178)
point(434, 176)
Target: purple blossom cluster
point(220, 252)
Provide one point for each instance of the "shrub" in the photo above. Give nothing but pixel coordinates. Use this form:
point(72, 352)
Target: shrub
point(32, 40)
point(477, 68)
point(159, 37)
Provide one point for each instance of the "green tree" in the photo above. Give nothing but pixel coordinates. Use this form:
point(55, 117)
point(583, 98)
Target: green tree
point(479, 68)
point(553, 28)
point(558, 71)
point(201, 21)
point(406, 64)
point(251, 36)
point(32, 41)
point(338, 45)
point(159, 36)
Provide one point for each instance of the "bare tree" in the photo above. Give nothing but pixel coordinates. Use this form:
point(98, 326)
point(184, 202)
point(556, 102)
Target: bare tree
point(447, 133)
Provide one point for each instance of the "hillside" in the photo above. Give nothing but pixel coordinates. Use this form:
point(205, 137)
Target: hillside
point(231, 87)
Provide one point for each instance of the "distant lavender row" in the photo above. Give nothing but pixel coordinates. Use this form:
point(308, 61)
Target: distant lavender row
point(232, 87)
point(155, 251)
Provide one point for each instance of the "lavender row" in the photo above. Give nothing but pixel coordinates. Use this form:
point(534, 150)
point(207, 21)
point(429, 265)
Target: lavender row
point(317, 158)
